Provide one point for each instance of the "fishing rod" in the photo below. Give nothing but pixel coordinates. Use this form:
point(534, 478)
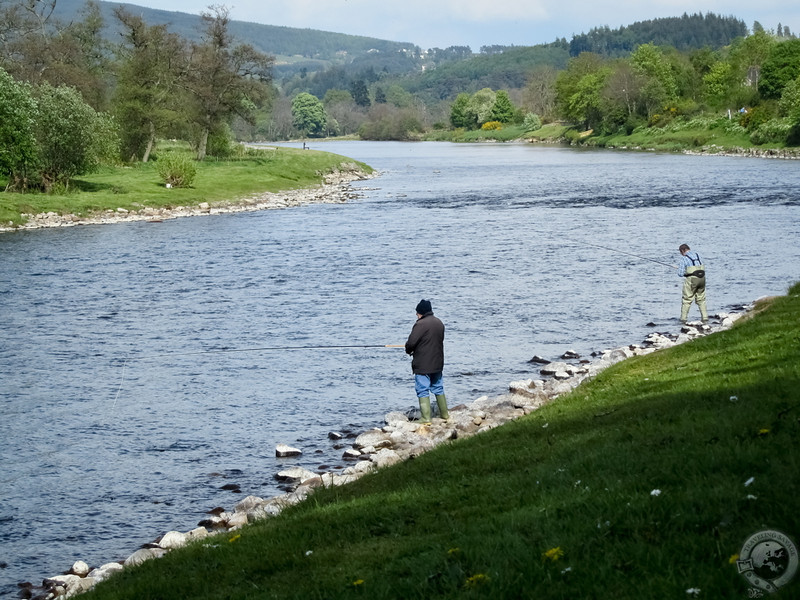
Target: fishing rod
point(623, 252)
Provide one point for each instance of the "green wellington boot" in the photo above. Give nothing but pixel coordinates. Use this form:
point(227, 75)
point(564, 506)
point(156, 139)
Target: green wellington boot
point(441, 401)
point(425, 409)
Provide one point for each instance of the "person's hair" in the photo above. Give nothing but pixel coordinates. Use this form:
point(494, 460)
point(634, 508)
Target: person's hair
point(684, 248)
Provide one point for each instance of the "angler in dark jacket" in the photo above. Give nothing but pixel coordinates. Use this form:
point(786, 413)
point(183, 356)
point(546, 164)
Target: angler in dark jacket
point(426, 346)
point(694, 282)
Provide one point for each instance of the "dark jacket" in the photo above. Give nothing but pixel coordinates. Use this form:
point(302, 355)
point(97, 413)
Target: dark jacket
point(426, 345)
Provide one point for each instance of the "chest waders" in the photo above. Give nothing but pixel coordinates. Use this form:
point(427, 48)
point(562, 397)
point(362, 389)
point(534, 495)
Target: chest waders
point(694, 288)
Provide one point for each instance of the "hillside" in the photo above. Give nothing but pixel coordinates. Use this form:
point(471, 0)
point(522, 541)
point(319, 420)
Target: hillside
point(294, 49)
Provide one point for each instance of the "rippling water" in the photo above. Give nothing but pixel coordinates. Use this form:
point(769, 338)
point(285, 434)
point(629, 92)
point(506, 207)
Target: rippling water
point(121, 420)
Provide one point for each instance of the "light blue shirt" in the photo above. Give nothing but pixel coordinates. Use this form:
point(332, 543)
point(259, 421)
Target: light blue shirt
point(686, 261)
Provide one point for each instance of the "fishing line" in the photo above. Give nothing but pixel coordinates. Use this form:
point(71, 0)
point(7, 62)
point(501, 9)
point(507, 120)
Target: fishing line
point(239, 350)
point(621, 252)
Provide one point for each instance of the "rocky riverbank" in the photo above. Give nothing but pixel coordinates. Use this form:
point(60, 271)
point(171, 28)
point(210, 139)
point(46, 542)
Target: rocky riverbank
point(335, 189)
point(400, 437)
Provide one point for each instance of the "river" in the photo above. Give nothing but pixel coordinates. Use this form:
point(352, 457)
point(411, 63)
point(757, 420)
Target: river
point(122, 418)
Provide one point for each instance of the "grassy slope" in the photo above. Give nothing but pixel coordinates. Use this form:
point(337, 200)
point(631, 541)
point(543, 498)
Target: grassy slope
point(140, 186)
point(475, 517)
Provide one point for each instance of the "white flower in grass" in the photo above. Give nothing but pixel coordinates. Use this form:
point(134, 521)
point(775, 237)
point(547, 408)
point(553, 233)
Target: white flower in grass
point(567, 570)
point(751, 497)
point(734, 398)
point(749, 481)
point(693, 592)
point(655, 492)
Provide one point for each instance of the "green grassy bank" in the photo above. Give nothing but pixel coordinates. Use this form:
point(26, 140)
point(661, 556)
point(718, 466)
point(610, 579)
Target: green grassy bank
point(643, 483)
point(217, 181)
point(706, 134)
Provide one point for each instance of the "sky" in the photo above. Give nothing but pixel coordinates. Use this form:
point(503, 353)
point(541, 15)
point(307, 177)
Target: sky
point(476, 23)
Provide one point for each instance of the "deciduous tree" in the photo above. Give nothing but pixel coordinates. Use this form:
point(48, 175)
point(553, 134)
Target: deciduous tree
point(224, 78)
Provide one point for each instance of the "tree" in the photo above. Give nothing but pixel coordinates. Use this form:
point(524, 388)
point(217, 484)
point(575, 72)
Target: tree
point(503, 109)
point(781, 66)
point(480, 105)
point(539, 95)
point(459, 115)
point(146, 83)
point(358, 89)
point(308, 114)
point(748, 54)
point(72, 139)
point(567, 81)
point(17, 141)
point(717, 84)
point(223, 78)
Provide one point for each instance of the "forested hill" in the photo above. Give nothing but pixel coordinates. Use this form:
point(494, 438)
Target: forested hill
point(315, 49)
point(684, 33)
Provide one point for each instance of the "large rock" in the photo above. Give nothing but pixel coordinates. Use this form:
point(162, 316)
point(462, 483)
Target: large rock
point(142, 555)
point(282, 451)
point(295, 474)
point(375, 438)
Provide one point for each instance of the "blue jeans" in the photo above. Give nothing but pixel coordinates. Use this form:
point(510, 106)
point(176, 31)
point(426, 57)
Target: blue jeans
point(428, 384)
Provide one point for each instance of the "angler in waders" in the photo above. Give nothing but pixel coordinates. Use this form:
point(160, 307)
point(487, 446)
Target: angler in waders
point(425, 344)
point(694, 283)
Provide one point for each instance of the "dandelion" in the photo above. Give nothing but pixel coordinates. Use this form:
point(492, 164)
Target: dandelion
point(749, 481)
point(655, 492)
point(553, 554)
point(453, 551)
point(476, 580)
point(763, 431)
point(693, 592)
point(732, 560)
point(358, 583)
point(234, 538)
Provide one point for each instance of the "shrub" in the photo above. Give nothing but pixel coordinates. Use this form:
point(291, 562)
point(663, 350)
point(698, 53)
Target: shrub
point(774, 130)
point(532, 122)
point(176, 170)
point(492, 126)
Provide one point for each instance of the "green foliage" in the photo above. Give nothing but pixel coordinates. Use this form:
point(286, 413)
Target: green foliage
point(480, 105)
point(18, 113)
point(308, 114)
point(459, 114)
point(176, 169)
point(789, 104)
point(72, 138)
point(387, 122)
point(503, 110)
point(532, 122)
point(781, 66)
point(774, 131)
point(684, 33)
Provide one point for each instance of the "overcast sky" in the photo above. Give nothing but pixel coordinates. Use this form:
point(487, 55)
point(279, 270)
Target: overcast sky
point(476, 23)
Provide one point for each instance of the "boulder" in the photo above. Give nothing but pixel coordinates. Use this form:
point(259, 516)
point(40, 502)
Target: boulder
point(142, 555)
point(172, 540)
point(282, 450)
point(295, 474)
point(79, 568)
point(375, 438)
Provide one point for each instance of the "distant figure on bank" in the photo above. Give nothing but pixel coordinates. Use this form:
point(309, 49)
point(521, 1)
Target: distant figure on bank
point(694, 282)
point(425, 344)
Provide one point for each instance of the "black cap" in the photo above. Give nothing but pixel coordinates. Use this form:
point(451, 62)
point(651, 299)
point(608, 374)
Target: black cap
point(424, 307)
